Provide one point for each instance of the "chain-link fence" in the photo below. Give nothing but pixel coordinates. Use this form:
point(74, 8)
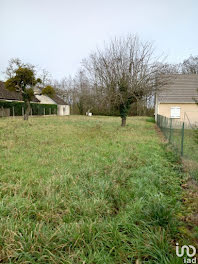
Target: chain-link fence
point(183, 136)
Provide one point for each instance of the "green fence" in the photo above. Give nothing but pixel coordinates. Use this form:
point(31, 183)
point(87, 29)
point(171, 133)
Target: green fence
point(17, 109)
point(183, 136)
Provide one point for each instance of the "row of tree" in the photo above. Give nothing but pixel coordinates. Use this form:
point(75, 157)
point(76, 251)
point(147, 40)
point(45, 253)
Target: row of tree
point(116, 80)
point(121, 79)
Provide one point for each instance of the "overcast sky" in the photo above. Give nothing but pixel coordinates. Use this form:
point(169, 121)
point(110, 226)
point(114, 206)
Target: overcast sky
point(58, 34)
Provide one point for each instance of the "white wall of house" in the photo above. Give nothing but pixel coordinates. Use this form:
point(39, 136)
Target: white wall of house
point(63, 110)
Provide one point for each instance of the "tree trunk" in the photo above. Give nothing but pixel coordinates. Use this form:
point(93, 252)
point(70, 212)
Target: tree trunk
point(123, 121)
point(27, 110)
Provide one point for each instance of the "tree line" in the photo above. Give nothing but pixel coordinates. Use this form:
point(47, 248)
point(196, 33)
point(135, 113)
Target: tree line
point(119, 79)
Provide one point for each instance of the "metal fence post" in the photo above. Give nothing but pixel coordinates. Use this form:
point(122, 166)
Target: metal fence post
point(182, 140)
point(170, 135)
point(22, 111)
point(13, 111)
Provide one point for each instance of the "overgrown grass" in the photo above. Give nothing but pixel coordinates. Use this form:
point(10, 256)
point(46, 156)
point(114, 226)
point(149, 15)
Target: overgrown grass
point(84, 190)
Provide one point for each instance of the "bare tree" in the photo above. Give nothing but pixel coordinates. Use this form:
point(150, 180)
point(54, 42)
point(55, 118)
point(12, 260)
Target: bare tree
point(13, 65)
point(85, 93)
point(65, 89)
point(190, 65)
point(124, 72)
point(77, 92)
point(46, 78)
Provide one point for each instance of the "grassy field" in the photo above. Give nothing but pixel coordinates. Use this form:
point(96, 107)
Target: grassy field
point(84, 190)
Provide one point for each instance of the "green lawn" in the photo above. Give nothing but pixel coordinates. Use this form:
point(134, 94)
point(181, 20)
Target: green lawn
point(84, 190)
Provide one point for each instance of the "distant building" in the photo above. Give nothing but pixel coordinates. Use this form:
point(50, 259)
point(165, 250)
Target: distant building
point(177, 99)
point(6, 95)
point(63, 108)
point(12, 96)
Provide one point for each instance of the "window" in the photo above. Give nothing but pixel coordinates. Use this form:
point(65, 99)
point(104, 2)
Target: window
point(175, 112)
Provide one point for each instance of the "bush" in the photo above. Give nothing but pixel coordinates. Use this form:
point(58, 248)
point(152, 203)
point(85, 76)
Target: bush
point(37, 109)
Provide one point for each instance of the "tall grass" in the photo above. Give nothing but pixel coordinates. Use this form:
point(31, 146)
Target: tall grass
point(84, 190)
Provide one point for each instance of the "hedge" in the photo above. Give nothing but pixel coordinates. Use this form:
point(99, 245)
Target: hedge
point(37, 109)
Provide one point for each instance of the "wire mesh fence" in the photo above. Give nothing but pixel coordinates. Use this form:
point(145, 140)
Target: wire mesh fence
point(183, 136)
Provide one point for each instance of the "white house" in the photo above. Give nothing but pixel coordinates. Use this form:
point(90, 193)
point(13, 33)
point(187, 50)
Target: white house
point(62, 108)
